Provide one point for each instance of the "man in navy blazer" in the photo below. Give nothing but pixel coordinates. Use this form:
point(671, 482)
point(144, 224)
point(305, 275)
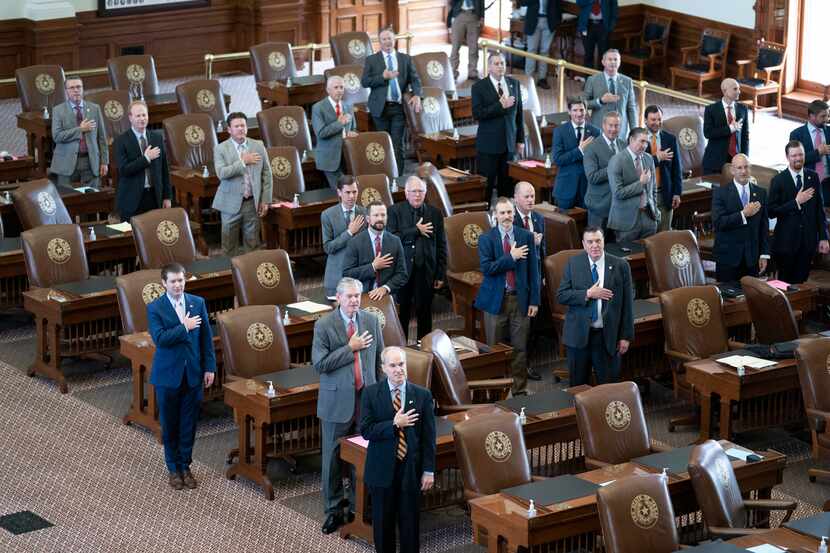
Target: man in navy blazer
point(183, 364)
point(814, 135)
point(668, 173)
point(398, 421)
point(739, 215)
point(509, 293)
point(726, 127)
point(595, 22)
point(569, 142)
point(599, 325)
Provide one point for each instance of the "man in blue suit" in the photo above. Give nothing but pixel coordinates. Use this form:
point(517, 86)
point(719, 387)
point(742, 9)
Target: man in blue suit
point(594, 24)
point(668, 173)
point(814, 135)
point(509, 294)
point(397, 419)
point(569, 143)
point(184, 363)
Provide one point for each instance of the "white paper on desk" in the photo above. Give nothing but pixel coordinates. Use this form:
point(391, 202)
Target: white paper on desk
point(309, 306)
point(705, 184)
point(86, 189)
point(603, 484)
point(331, 298)
point(746, 361)
point(121, 227)
point(359, 441)
point(741, 454)
point(765, 548)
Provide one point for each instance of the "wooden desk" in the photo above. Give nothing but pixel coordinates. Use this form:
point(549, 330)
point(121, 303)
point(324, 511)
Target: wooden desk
point(694, 199)
point(16, 170)
point(534, 172)
point(304, 91)
point(461, 108)
point(192, 190)
point(298, 230)
point(441, 149)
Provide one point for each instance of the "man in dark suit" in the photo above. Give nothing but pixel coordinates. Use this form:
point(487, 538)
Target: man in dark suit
point(390, 75)
point(420, 227)
point(376, 258)
point(599, 325)
point(569, 143)
point(668, 173)
point(397, 419)
point(497, 105)
point(184, 364)
point(814, 135)
point(541, 20)
point(143, 175)
point(465, 18)
point(795, 201)
point(726, 126)
point(509, 294)
point(595, 22)
point(739, 215)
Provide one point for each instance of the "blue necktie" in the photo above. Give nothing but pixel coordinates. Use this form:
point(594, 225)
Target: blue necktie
point(393, 92)
point(595, 303)
point(744, 198)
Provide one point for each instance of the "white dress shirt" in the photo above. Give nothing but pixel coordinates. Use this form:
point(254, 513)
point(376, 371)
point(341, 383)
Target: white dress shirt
point(600, 263)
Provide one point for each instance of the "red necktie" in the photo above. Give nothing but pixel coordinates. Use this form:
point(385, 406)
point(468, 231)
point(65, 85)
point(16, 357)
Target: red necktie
point(596, 9)
point(820, 168)
point(358, 377)
point(511, 275)
point(733, 138)
point(527, 224)
point(79, 117)
point(337, 110)
point(377, 253)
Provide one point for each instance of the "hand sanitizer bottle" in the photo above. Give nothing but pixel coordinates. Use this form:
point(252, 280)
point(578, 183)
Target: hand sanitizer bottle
point(548, 162)
point(522, 416)
point(286, 320)
point(741, 371)
point(544, 122)
point(531, 510)
point(205, 172)
point(296, 200)
point(92, 233)
point(455, 135)
point(288, 81)
point(394, 185)
point(46, 112)
point(270, 392)
point(822, 547)
point(218, 126)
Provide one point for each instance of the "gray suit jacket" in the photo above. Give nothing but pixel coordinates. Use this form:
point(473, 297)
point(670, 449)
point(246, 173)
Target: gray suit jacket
point(329, 132)
point(595, 160)
point(230, 170)
point(333, 359)
point(335, 240)
point(624, 182)
point(597, 85)
point(67, 136)
point(357, 263)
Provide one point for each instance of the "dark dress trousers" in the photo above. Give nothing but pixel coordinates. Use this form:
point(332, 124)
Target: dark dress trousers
point(132, 168)
point(738, 245)
point(553, 13)
point(716, 130)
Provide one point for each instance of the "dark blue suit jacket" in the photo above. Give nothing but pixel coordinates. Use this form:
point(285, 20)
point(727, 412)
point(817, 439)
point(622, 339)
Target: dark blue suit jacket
point(671, 173)
point(495, 264)
point(180, 354)
point(376, 415)
point(735, 240)
point(499, 129)
point(610, 10)
point(716, 130)
point(538, 226)
point(802, 134)
point(796, 227)
point(373, 68)
point(570, 176)
point(553, 13)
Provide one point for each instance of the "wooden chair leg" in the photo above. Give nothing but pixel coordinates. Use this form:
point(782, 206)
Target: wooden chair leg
point(778, 102)
point(700, 87)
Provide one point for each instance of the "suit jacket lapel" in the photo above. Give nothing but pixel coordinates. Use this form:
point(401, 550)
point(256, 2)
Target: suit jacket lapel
point(340, 326)
point(606, 280)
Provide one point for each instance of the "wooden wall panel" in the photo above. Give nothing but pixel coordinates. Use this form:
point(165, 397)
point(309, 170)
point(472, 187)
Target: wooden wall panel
point(426, 19)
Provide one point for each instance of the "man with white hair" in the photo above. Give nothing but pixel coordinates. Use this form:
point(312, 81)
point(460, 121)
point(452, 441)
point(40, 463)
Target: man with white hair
point(726, 126)
point(332, 121)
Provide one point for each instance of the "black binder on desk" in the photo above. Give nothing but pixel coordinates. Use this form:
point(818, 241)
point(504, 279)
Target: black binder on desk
point(210, 265)
point(624, 249)
point(543, 402)
point(92, 285)
point(816, 525)
point(553, 490)
point(675, 460)
point(291, 378)
point(10, 245)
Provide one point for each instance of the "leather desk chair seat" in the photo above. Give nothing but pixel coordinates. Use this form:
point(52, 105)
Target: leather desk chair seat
point(285, 126)
point(813, 356)
point(264, 277)
point(770, 310)
point(162, 236)
point(39, 203)
point(438, 196)
point(419, 367)
point(54, 254)
point(673, 261)
point(135, 291)
point(370, 153)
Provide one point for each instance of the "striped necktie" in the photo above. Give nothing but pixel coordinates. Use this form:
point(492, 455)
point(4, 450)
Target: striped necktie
point(396, 403)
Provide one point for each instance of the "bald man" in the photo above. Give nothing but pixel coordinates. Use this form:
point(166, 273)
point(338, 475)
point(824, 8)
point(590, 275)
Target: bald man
point(332, 121)
point(726, 126)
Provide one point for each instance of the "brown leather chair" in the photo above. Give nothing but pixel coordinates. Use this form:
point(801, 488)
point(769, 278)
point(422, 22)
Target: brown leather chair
point(272, 61)
point(756, 77)
point(725, 511)
point(162, 236)
point(554, 271)
point(114, 106)
point(530, 97)
point(705, 61)
point(673, 261)
point(191, 139)
point(434, 116)
point(203, 96)
point(370, 153)
point(134, 73)
point(135, 291)
point(463, 231)
point(770, 311)
point(54, 254)
point(38, 203)
point(438, 196)
point(651, 44)
point(612, 424)
point(264, 277)
point(534, 148)
point(454, 392)
point(285, 126)
point(814, 377)
point(286, 172)
point(690, 142)
point(353, 92)
point(636, 515)
point(253, 341)
point(434, 70)
point(561, 231)
point(350, 48)
point(390, 324)
point(373, 188)
point(40, 85)
point(419, 367)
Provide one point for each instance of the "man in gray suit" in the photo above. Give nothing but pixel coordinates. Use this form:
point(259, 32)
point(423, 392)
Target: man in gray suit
point(81, 149)
point(332, 121)
point(634, 212)
point(611, 91)
point(340, 222)
point(595, 160)
point(345, 351)
point(244, 188)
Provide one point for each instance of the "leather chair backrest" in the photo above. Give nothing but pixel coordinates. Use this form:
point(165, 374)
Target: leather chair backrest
point(452, 380)
point(264, 277)
point(162, 236)
point(463, 231)
point(813, 373)
point(115, 105)
point(390, 324)
point(611, 422)
point(373, 188)
point(693, 321)
point(534, 149)
point(673, 261)
point(38, 203)
point(554, 271)
point(763, 176)
point(40, 85)
point(191, 140)
point(253, 341)
point(434, 115)
point(690, 141)
point(286, 172)
point(636, 515)
point(419, 367)
point(491, 453)
point(714, 41)
point(561, 232)
point(434, 69)
point(54, 254)
point(716, 488)
point(134, 73)
point(285, 126)
point(770, 311)
point(203, 96)
point(135, 291)
point(370, 153)
point(353, 91)
point(272, 61)
point(350, 48)
point(437, 195)
point(2, 233)
point(530, 97)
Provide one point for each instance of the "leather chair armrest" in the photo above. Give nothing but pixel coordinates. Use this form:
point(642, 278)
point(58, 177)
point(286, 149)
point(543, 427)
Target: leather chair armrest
point(772, 505)
point(592, 464)
point(490, 383)
point(680, 356)
point(729, 533)
point(818, 420)
point(660, 448)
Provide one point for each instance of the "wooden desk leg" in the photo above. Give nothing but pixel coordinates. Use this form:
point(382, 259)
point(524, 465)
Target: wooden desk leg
point(725, 418)
point(360, 526)
point(195, 202)
point(260, 461)
point(40, 146)
point(705, 418)
point(138, 413)
point(252, 469)
point(48, 356)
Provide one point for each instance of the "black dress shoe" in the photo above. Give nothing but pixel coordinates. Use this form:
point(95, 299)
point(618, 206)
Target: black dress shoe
point(333, 522)
point(543, 83)
point(350, 517)
point(533, 375)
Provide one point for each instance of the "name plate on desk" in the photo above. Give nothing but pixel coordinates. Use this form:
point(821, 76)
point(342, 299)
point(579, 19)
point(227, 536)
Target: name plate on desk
point(93, 285)
point(212, 265)
point(553, 490)
point(816, 525)
point(543, 402)
point(291, 378)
